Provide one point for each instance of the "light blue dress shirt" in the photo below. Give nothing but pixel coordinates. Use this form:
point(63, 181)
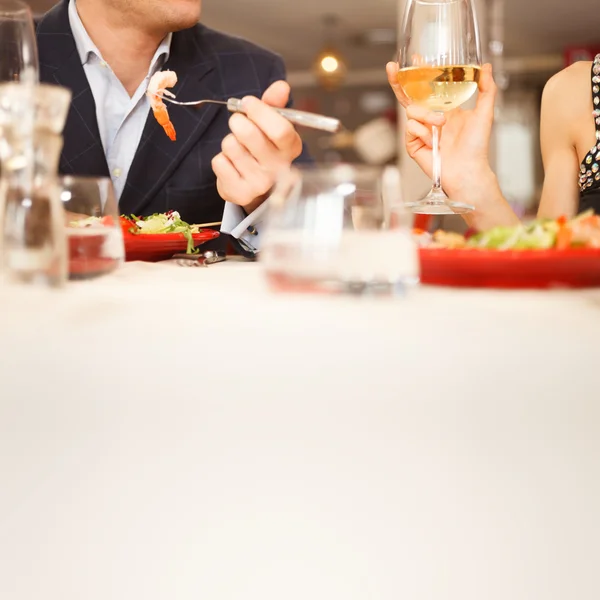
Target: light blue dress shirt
point(121, 118)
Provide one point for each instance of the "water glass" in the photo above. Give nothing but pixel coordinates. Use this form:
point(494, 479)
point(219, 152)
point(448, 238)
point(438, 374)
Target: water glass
point(33, 237)
point(340, 229)
point(94, 235)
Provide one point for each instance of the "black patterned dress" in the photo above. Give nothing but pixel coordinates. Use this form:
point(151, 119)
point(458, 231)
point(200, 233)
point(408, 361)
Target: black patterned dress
point(589, 174)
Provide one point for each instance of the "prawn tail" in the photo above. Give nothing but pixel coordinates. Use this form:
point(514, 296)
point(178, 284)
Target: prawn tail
point(162, 117)
point(170, 130)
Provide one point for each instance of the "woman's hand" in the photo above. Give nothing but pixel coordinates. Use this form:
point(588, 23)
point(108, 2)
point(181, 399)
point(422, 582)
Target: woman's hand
point(464, 145)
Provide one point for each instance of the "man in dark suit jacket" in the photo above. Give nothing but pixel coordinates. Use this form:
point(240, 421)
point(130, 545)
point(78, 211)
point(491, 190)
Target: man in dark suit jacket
point(105, 51)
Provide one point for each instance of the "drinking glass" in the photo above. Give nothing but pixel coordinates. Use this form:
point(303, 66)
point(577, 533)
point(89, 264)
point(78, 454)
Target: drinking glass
point(18, 47)
point(94, 234)
point(439, 62)
point(32, 233)
point(28, 113)
point(339, 229)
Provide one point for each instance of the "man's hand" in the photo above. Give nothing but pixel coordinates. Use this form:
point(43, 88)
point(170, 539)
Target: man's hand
point(261, 143)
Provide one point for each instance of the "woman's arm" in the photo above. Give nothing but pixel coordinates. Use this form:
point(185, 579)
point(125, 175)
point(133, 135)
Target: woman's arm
point(564, 98)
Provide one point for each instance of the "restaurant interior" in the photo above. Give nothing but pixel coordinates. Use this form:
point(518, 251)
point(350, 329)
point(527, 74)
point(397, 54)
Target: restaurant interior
point(538, 38)
point(328, 387)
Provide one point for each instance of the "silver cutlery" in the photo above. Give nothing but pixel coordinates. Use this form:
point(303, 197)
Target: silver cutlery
point(298, 117)
point(210, 257)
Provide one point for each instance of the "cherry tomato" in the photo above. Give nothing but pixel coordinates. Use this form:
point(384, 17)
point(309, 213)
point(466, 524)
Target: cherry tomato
point(107, 221)
point(127, 225)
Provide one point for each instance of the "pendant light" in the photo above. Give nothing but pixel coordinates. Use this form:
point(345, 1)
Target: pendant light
point(330, 67)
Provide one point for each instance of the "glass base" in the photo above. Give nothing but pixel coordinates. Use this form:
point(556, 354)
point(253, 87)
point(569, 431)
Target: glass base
point(437, 203)
point(284, 282)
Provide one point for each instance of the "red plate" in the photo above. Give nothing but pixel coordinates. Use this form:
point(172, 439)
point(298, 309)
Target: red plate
point(533, 269)
point(152, 247)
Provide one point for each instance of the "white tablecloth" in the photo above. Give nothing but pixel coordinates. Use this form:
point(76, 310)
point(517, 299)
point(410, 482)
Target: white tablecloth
point(181, 433)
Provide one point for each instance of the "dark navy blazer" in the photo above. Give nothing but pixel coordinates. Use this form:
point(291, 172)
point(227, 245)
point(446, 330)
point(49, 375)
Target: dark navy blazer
point(164, 175)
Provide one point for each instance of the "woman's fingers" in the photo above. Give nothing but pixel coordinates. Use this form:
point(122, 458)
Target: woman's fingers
point(416, 130)
point(487, 94)
point(392, 74)
point(424, 115)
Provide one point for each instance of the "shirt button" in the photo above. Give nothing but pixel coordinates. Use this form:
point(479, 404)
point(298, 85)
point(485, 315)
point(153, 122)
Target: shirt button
point(117, 172)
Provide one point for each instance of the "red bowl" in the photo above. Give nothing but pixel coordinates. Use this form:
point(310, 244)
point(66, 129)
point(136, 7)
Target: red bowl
point(152, 247)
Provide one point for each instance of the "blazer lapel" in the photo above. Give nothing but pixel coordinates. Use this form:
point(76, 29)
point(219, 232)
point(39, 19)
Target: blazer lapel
point(157, 156)
point(60, 64)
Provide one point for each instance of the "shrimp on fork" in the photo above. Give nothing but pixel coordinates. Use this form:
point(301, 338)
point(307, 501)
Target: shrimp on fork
point(157, 88)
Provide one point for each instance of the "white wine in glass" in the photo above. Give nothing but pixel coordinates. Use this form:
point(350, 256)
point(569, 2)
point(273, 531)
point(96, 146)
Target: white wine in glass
point(439, 64)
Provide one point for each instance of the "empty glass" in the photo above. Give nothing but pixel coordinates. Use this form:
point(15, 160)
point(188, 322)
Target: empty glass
point(18, 47)
point(340, 229)
point(94, 234)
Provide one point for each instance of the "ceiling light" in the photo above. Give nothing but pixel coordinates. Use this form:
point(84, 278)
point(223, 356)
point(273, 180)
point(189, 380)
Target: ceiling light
point(330, 67)
point(330, 64)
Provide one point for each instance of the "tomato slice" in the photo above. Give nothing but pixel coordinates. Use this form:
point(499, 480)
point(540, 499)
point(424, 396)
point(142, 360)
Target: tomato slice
point(127, 225)
point(564, 238)
point(107, 221)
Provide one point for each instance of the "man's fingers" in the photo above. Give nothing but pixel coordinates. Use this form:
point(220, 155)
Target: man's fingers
point(251, 137)
point(277, 94)
point(239, 156)
point(277, 128)
point(225, 171)
point(256, 177)
point(232, 186)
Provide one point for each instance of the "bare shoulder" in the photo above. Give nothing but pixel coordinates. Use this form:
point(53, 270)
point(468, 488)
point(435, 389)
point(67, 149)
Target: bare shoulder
point(567, 110)
point(569, 90)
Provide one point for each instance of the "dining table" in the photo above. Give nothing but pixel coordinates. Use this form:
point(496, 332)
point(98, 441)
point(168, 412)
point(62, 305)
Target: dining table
point(184, 433)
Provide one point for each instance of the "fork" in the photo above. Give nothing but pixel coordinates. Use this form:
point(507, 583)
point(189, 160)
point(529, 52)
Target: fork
point(298, 117)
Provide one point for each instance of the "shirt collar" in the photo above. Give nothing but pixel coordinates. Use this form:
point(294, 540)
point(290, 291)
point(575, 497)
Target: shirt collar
point(86, 47)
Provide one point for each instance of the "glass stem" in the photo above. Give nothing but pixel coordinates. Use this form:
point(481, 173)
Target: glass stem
point(437, 162)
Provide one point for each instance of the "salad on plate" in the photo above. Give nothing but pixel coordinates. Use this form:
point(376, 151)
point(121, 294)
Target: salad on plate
point(158, 223)
point(583, 231)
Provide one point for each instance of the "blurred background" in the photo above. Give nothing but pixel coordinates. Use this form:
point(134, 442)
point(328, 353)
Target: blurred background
point(336, 52)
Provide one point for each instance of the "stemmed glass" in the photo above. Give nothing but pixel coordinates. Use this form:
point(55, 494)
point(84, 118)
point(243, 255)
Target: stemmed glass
point(439, 64)
point(18, 47)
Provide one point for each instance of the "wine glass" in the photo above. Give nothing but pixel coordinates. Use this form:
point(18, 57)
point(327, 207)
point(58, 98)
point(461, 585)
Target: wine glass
point(18, 47)
point(439, 64)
